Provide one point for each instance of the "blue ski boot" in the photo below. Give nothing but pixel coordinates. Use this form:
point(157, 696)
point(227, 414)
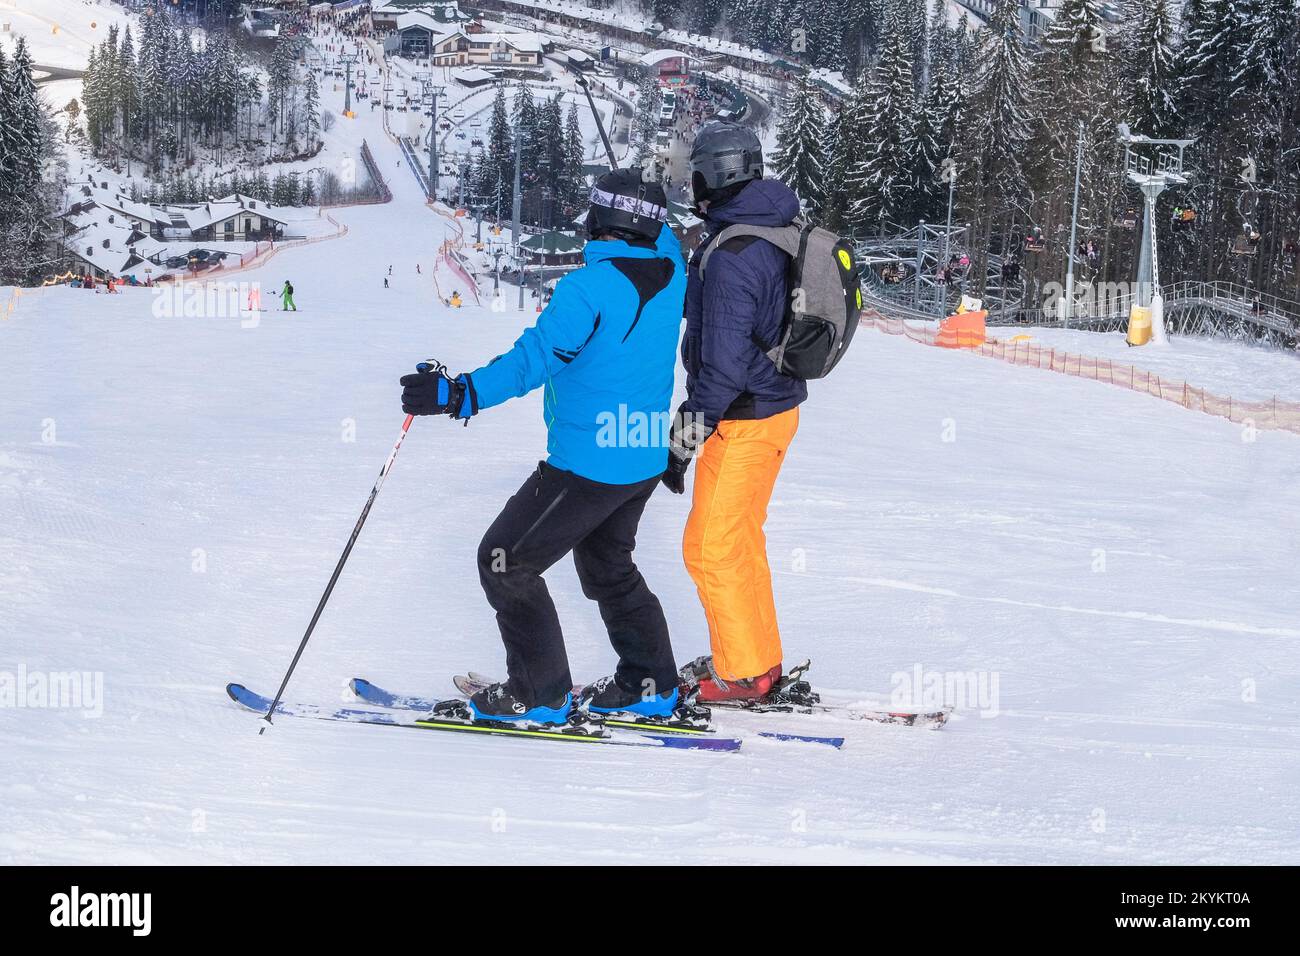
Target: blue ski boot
point(616, 705)
point(495, 702)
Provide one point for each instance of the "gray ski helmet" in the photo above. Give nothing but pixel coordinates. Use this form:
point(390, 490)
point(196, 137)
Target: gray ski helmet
point(724, 154)
point(624, 204)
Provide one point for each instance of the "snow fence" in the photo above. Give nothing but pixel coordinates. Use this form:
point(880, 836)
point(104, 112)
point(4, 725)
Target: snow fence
point(1273, 413)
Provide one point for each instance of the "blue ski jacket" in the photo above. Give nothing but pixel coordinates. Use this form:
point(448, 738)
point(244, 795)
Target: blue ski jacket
point(742, 295)
point(605, 351)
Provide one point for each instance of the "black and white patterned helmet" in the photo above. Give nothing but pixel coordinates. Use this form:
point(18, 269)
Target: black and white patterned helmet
point(622, 202)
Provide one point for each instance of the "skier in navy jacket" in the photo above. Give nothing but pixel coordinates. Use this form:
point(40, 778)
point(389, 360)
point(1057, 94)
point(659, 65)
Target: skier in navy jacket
point(604, 351)
point(740, 413)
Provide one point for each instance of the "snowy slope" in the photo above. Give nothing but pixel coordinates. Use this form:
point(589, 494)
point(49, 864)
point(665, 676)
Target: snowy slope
point(176, 492)
point(60, 33)
point(1243, 370)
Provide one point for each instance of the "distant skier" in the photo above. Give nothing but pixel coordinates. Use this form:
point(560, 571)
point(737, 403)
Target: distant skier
point(385, 282)
point(286, 298)
point(604, 349)
point(740, 413)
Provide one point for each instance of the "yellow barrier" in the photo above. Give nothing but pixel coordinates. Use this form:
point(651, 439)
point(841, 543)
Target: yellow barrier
point(1139, 325)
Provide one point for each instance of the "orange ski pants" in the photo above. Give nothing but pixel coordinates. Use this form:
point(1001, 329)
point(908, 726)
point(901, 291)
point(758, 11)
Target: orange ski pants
point(724, 545)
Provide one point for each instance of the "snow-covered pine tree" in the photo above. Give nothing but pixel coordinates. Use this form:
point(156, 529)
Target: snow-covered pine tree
point(1075, 80)
point(552, 120)
point(1150, 68)
point(845, 141)
point(800, 146)
point(666, 12)
point(26, 120)
point(646, 122)
point(703, 16)
point(994, 146)
point(525, 121)
point(496, 174)
point(937, 119)
point(575, 156)
point(28, 202)
point(880, 182)
point(10, 139)
point(311, 110)
point(824, 34)
point(128, 90)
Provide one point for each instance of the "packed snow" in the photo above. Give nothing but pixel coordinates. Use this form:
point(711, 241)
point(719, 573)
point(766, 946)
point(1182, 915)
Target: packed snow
point(1105, 583)
point(1244, 370)
point(1118, 571)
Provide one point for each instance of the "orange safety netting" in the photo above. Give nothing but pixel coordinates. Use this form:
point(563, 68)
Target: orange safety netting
point(1272, 413)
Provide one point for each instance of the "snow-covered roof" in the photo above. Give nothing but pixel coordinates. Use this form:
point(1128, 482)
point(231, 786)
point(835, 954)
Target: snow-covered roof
point(111, 246)
point(445, 8)
point(473, 74)
point(658, 56)
point(833, 81)
point(626, 19)
point(554, 243)
point(110, 199)
point(424, 20)
point(578, 56)
point(219, 210)
point(525, 42)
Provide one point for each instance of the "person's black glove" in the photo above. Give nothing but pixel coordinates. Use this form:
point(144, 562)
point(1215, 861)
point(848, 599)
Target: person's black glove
point(431, 391)
point(688, 433)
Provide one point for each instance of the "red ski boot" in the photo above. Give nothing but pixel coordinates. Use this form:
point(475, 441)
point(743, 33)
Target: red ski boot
point(711, 688)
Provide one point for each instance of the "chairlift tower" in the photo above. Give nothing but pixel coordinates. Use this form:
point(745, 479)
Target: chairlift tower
point(1153, 165)
point(431, 94)
point(348, 59)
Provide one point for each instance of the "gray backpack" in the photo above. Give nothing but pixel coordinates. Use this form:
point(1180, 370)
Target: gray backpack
point(825, 296)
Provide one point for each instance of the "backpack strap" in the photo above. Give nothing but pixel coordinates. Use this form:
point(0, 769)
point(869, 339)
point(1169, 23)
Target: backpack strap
point(791, 240)
point(774, 352)
point(785, 238)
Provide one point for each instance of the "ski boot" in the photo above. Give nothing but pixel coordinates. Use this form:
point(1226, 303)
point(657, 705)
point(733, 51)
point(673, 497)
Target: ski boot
point(618, 707)
point(769, 691)
point(495, 704)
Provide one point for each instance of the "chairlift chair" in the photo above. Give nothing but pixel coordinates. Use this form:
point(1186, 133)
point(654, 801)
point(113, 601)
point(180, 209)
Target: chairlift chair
point(1241, 245)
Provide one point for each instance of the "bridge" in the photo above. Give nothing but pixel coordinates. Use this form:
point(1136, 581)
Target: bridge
point(1222, 309)
point(905, 268)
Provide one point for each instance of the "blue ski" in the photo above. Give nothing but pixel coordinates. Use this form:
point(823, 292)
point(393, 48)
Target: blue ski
point(374, 694)
point(259, 704)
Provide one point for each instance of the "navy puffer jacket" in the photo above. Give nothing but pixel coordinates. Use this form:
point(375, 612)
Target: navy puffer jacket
point(727, 376)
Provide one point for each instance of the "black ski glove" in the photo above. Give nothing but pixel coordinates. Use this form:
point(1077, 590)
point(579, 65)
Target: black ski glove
point(431, 391)
point(688, 433)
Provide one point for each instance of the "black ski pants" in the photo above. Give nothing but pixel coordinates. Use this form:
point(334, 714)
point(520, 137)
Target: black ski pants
point(553, 513)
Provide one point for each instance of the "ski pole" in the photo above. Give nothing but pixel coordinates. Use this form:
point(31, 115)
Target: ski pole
point(343, 558)
point(595, 114)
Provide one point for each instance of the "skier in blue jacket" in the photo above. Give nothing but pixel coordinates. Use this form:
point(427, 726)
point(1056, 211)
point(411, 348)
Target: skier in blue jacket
point(604, 352)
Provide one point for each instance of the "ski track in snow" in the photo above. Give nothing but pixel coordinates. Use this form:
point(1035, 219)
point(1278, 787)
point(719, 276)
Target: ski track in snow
point(1123, 567)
